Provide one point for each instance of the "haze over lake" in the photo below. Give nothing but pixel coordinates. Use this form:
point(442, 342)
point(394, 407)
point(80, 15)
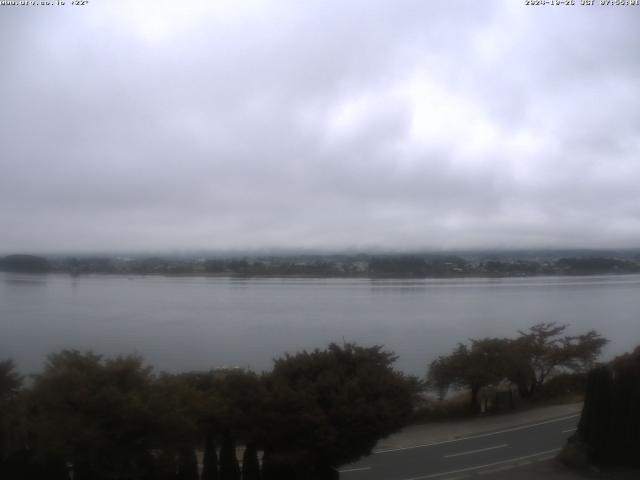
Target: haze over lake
point(180, 323)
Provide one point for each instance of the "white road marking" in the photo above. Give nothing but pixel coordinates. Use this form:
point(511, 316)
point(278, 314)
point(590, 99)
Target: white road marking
point(481, 435)
point(476, 451)
point(496, 470)
point(570, 430)
point(361, 469)
point(479, 467)
point(544, 459)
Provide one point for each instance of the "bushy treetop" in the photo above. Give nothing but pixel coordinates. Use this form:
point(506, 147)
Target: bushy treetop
point(330, 407)
point(526, 361)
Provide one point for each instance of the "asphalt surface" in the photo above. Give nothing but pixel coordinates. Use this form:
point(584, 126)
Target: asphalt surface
point(489, 455)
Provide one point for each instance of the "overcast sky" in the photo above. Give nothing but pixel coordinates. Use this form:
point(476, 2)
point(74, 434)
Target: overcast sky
point(318, 124)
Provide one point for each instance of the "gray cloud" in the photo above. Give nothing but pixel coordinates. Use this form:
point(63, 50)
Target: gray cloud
point(320, 124)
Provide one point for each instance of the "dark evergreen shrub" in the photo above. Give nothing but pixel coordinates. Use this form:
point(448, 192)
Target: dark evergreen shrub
point(166, 466)
point(210, 460)
point(250, 463)
point(595, 422)
point(187, 465)
point(229, 468)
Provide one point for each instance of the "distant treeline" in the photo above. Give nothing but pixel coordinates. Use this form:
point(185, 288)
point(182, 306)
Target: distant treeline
point(24, 263)
point(381, 266)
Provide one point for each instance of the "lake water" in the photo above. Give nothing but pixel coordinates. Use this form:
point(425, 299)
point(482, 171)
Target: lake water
point(181, 323)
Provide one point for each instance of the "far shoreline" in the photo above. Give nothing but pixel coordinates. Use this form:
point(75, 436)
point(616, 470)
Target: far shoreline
point(360, 266)
point(239, 276)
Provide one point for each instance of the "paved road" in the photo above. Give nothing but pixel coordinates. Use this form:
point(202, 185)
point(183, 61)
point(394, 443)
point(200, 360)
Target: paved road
point(487, 455)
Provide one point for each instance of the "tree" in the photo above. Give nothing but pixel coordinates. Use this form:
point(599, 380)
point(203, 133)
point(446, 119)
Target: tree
point(177, 409)
point(166, 467)
point(543, 351)
point(239, 402)
point(626, 409)
point(442, 373)
point(210, 460)
point(10, 385)
point(250, 463)
point(526, 361)
point(403, 266)
point(10, 381)
point(275, 467)
point(594, 426)
point(330, 407)
point(23, 464)
point(94, 413)
point(187, 464)
point(473, 367)
point(229, 468)
point(24, 264)
point(230, 400)
point(609, 427)
point(148, 467)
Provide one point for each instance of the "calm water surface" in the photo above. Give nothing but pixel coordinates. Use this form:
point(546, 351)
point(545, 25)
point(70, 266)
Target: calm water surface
point(197, 323)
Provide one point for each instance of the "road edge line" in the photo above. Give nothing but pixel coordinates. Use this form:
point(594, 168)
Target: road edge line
point(469, 469)
point(479, 435)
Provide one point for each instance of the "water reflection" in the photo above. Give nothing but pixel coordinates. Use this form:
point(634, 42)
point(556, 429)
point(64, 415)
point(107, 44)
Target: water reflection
point(25, 279)
point(397, 286)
